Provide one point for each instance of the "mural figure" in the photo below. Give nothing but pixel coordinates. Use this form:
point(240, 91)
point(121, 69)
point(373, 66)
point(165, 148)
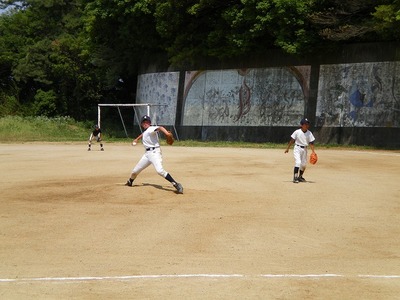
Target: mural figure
point(244, 97)
point(358, 94)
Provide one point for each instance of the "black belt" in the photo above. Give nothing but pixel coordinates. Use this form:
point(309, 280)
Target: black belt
point(301, 146)
point(151, 148)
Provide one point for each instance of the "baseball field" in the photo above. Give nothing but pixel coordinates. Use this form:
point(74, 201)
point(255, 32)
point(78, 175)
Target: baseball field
point(70, 229)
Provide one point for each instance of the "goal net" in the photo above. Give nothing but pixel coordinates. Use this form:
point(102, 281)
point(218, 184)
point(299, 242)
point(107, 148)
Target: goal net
point(129, 116)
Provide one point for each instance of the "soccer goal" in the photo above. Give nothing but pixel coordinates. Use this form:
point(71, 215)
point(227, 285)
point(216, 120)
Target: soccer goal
point(138, 110)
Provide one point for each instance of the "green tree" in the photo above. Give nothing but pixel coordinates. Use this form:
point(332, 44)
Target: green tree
point(122, 35)
point(44, 103)
point(387, 20)
point(238, 28)
point(340, 21)
point(225, 29)
point(43, 47)
point(68, 55)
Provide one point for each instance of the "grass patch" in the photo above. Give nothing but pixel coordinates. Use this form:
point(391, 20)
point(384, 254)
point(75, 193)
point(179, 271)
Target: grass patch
point(193, 143)
point(15, 129)
point(29, 129)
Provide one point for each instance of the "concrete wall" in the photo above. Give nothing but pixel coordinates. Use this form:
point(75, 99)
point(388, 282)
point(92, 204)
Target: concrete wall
point(351, 95)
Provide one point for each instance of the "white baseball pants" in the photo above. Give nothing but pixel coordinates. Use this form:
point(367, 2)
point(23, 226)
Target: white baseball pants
point(151, 157)
point(300, 157)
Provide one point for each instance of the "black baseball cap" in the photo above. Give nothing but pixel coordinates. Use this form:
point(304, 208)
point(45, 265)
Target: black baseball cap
point(145, 118)
point(304, 121)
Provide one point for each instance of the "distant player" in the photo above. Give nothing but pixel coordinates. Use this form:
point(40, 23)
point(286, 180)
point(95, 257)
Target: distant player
point(96, 134)
point(302, 138)
point(152, 153)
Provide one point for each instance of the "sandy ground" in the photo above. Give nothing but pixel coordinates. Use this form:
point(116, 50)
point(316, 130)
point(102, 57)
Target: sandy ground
point(70, 229)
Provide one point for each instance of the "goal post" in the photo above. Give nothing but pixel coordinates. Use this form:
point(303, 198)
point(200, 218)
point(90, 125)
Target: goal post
point(143, 105)
point(139, 109)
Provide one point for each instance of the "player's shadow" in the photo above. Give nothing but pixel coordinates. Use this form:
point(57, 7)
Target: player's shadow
point(157, 186)
point(301, 182)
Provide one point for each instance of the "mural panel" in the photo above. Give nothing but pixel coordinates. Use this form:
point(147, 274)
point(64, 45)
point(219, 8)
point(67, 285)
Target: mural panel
point(359, 94)
point(161, 90)
point(247, 97)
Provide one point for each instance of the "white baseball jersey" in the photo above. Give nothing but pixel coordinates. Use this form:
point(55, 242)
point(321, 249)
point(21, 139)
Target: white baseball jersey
point(150, 138)
point(302, 138)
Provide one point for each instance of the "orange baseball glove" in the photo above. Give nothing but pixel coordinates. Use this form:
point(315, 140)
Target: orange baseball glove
point(313, 158)
point(170, 138)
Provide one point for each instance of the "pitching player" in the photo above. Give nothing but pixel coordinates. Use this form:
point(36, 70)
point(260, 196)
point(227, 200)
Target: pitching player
point(152, 154)
point(302, 138)
point(96, 134)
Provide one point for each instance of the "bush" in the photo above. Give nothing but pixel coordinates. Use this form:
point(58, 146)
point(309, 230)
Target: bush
point(9, 105)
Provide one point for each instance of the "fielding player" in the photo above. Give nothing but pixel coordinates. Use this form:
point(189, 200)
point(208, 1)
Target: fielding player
point(152, 153)
point(96, 134)
point(302, 138)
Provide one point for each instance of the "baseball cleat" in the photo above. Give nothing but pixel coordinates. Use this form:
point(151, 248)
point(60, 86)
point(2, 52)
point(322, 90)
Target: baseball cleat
point(296, 180)
point(101, 149)
point(302, 179)
point(88, 149)
point(128, 183)
point(179, 188)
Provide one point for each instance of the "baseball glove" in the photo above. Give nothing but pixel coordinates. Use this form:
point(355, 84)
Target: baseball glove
point(313, 158)
point(170, 138)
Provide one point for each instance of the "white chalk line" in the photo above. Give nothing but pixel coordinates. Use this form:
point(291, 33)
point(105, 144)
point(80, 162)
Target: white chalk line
point(136, 277)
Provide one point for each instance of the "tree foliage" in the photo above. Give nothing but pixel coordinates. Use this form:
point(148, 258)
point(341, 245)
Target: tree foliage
point(122, 34)
point(43, 49)
point(244, 27)
point(60, 57)
point(387, 20)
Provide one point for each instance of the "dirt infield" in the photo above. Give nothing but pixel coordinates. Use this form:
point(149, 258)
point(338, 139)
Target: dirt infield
point(70, 229)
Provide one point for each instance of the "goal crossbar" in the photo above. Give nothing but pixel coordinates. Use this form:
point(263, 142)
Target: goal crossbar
point(133, 105)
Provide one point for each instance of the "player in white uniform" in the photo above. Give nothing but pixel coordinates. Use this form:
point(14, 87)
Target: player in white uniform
point(302, 138)
point(152, 153)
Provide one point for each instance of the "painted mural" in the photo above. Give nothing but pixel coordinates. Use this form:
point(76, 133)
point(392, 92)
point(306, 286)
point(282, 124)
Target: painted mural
point(359, 94)
point(160, 90)
point(246, 97)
